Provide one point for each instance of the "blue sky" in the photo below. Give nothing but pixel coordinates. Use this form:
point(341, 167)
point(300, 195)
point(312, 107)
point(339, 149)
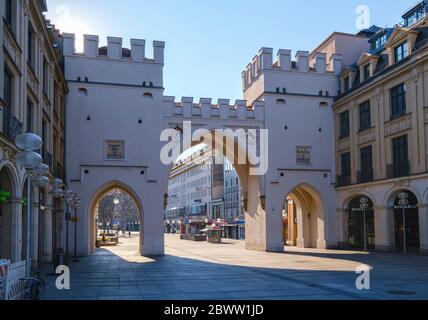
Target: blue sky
point(209, 43)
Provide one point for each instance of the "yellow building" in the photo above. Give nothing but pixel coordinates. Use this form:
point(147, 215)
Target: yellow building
point(381, 118)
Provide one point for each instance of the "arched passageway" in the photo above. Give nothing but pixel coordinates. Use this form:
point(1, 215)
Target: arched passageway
point(356, 220)
point(410, 223)
point(223, 148)
point(114, 208)
point(6, 218)
point(303, 218)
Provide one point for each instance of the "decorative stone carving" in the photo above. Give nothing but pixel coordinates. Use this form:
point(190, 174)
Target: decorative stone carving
point(32, 83)
point(401, 183)
point(366, 136)
point(355, 190)
point(398, 125)
point(415, 74)
point(12, 49)
point(9, 154)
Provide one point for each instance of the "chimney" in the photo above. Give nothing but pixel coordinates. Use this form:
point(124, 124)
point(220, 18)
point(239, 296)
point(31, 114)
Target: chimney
point(321, 62)
point(138, 49)
point(266, 58)
point(159, 48)
point(337, 63)
point(90, 45)
point(69, 40)
point(302, 60)
point(114, 47)
point(284, 59)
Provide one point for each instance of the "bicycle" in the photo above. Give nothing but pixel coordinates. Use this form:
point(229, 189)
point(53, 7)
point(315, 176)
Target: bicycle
point(35, 289)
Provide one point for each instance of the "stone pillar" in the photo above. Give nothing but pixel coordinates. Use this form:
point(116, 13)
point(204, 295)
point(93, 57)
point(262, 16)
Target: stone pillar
point(423, 228)
point(16, 230)
point(342, 223)
point(384, 229)
point(34, 236)
point(47, 236)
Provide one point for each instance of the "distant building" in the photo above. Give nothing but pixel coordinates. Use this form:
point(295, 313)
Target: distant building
point(232, 203)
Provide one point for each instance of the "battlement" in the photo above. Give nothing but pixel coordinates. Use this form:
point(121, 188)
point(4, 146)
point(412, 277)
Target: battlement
point(114, 49)
point(302, 63)
point(206, 109)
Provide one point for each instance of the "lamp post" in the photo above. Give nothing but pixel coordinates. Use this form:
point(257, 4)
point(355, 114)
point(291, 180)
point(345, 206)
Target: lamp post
point(75, 220)
point(68, 196)
point(364, 204)
point(29, 160)
point(40, 181)
point(56, 192)
point(403, 204)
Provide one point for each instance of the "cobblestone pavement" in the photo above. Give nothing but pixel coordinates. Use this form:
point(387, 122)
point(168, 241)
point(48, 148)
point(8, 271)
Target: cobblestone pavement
point(204, 271)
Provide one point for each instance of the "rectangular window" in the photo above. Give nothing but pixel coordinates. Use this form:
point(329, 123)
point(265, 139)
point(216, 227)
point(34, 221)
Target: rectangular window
point(365, 118)
point(29, 121)
point(346, 164)
point(400, 155)
point(45, 77)
point(344, 124)
point(44, 134)
point(31, 50)
point(366, 72)
point(398, 101)
point(366, 158)
point(401, 52)
point(345, 161)
point(8, 87)
point(9, 13)
point(346, 81)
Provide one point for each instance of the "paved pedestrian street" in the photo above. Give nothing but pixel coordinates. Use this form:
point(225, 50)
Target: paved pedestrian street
point(204, 271)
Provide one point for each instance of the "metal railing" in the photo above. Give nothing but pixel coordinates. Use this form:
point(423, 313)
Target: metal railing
point(365, 176)
point(343, 180)
point(12, 127)
point(407, 23)
point(400, 169)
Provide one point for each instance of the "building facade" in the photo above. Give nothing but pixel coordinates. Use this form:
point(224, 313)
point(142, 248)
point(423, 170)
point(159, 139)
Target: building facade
point(382, 137)
point(361, 98)
point(190, 192)
point(32, 92)
point(233, 213)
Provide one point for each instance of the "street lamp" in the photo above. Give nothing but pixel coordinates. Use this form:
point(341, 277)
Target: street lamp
point(75, 220)
point(403, 204)
point(29, 160)
point(364, 204)
point(56, 192)
point(68, 196)
point(41, 182)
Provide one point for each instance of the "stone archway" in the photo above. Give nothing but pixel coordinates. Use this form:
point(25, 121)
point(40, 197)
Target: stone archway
point(411, 222)
point(93, 204)
point(355, 223)
point(252, 198)
point(305, 218)
point(8, 235)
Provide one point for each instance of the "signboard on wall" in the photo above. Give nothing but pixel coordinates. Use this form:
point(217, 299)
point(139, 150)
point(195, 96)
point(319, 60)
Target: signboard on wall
point(303, 155)
point(114, 150)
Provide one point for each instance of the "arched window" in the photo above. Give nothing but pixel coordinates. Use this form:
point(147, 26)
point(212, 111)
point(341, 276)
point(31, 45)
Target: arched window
point(83, 91)
point(280, 101)
point(148, 95)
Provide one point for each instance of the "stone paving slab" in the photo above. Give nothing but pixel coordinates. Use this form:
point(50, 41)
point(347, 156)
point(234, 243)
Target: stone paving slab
point(204, 271)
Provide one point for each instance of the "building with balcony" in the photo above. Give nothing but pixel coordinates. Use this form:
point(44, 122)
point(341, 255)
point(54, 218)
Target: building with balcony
point(381, 122)
point(32, 95)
